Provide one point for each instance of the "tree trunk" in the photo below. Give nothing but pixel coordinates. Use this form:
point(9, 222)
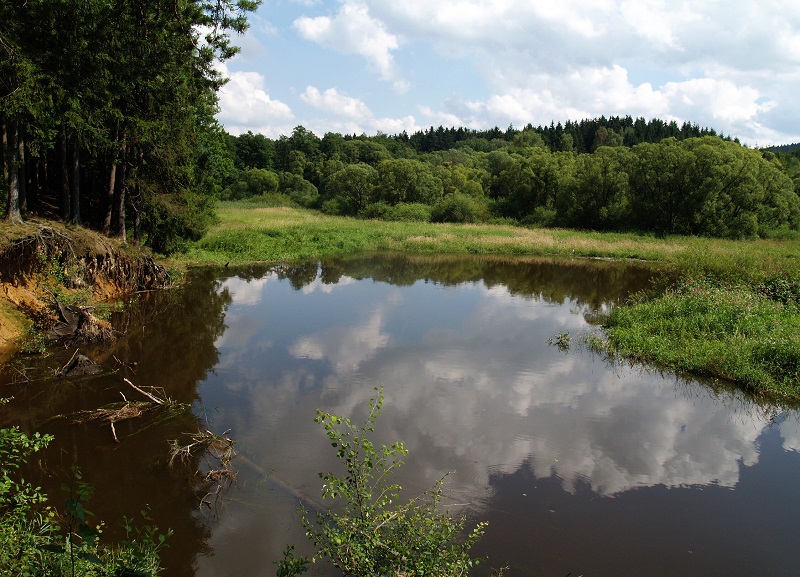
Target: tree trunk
point(41, 177)
point(63, 172)
point(75, 174)
point(112, 184)
point(13, 214)
point(137, 195)
point(109, 202)
point(4, 154)
point(121, 191)
point(23, 181)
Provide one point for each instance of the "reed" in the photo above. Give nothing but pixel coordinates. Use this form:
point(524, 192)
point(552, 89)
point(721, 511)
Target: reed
point(744, 334)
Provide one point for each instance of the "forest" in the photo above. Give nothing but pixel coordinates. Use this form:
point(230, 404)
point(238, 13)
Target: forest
point(107, 112)
point(600, 174)
point(107, 117)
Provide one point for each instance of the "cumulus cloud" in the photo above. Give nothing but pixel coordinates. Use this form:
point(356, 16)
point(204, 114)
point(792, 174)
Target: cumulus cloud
point(245, 105)
point(729, 65)
point(354, 31)
point(346, 115)
point(591, 92)
point(569, 60)
point(335, 103)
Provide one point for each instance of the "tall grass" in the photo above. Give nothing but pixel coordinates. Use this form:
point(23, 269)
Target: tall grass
point(746, 334)
point(247, 232)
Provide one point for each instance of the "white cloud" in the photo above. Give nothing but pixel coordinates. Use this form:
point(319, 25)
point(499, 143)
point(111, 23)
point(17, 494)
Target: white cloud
point(731, 65)
point(592, 92)
point(569, 60)
point(719, 99)
point(332, 101)
point(658, 21)
point(347, 115)
point(245, 105)
point(354, 31)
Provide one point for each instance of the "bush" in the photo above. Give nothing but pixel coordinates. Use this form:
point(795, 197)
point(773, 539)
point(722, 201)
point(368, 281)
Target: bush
point(541, 216)
point(460, 208)
point(332, 206)
point(409, 212)
point(299, 189)
point(368, 532)
point(171, 221)
point(30, 540)
point(376, 211)
point(405, 212)
point(252, 182)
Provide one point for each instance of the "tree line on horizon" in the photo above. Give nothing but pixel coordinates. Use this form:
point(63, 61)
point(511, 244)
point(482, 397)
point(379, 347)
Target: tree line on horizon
point(107, 121)
point(601, 174)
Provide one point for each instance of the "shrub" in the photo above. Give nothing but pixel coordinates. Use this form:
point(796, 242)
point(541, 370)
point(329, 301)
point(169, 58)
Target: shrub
point(171, 221)
point(409, 212)
point(30, 542)
point(405, 211)
point(299, 189)
point(376, 211)
point(460, 208)
point(369, 532)
point(541, 216)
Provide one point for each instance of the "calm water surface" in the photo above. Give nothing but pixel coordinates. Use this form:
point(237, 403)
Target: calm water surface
point(581, 467)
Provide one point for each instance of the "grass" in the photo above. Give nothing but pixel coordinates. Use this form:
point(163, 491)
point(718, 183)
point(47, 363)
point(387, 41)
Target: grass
point(742, 334)
point(245, 234)
point(733, 316)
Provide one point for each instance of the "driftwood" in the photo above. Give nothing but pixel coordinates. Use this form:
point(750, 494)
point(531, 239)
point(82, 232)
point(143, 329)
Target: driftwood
point(126, 410)
point(218, 453)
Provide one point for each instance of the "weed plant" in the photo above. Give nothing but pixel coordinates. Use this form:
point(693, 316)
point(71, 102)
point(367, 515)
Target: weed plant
point(369, 530)
point(38, 541)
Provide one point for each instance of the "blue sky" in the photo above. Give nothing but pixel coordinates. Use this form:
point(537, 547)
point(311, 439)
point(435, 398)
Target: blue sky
point(368, 66)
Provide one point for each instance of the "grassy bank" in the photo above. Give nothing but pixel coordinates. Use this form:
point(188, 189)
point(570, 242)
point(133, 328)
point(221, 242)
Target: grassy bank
point(247, 233)
point(744, 334)
point(735, 315)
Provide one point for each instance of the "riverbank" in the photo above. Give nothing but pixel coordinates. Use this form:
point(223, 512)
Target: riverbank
point(247, 232)
point(45, 264)
point(734, 315)
point(716, 338)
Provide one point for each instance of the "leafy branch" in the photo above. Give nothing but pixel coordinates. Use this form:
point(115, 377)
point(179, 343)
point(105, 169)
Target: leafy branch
point(369, 530)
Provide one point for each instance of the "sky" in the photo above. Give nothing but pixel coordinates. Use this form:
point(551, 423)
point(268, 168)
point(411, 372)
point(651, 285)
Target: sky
point(369, 66)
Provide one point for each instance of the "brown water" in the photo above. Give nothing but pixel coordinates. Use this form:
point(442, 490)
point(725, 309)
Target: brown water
point(580, 466)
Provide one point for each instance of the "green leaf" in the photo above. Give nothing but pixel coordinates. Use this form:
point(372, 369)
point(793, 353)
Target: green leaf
point(91, 557)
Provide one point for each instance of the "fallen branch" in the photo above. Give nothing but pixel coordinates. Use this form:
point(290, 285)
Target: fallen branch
point(126, 410)
point(145, 393)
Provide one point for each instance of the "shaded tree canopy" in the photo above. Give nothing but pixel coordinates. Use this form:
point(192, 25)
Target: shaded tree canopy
point(107, 112)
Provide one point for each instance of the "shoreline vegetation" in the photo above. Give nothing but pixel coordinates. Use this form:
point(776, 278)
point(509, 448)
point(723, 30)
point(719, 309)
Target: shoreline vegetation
point(733, 315)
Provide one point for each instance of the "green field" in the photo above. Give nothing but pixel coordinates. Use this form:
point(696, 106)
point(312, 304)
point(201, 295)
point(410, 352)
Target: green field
point(246, 233)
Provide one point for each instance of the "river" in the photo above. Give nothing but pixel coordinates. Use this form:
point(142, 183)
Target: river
point(581, 465)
